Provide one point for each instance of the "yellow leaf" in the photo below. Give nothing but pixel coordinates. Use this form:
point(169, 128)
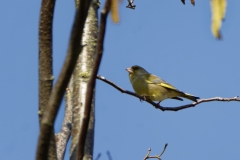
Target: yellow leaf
point(218, 14)
point(114, 11)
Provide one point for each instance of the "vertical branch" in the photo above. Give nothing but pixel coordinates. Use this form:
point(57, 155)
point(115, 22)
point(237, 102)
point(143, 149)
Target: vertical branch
point(45, 64)
point(63, 136)
point(80, 80)
point(45, 53)
point(57, 93)
point(91, 83)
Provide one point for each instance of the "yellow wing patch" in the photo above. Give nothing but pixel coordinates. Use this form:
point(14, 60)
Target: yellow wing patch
point(163, 85)
point(171, 87)
point(188, 94)
point(167, 86)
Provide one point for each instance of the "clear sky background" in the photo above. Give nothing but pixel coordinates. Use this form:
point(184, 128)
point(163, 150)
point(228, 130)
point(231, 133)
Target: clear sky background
point(168, 39)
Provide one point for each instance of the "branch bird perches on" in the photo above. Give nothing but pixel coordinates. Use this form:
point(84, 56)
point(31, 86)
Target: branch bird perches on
point(158, 106)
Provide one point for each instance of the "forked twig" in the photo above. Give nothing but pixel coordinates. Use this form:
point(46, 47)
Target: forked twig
point(130, 4)
point(157, 156)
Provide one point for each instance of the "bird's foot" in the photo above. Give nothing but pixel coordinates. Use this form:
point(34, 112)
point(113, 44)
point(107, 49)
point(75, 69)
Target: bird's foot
point(159, 103)
point(143, 98)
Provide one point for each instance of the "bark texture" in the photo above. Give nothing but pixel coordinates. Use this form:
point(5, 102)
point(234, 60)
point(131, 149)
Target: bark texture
point(57, 93)
point(45, 64)
point(63, 136)
point(80, 80)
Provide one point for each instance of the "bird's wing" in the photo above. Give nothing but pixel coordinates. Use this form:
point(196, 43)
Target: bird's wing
point(157, 81)
point(168, 86)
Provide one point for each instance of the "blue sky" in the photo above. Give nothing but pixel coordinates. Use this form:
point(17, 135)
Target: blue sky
point(168, 39)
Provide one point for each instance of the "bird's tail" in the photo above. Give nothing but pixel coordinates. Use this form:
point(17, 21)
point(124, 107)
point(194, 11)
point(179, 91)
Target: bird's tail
point(190, 97)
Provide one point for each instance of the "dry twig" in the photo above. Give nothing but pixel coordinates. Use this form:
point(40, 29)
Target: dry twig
point(98, 156)
point(158, 106)
point(157, 156)
point(109, 155)
point(130, 4)
point(192, 1)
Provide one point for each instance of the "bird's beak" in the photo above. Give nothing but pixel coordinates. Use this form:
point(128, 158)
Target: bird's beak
point(129, 70)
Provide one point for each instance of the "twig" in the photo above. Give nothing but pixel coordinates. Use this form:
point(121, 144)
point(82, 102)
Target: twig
point(98, 156)
point(91, 82)
point(57, 93)
point(130, 4)
point(157, 106)
point(63, 136)
point(183, 1)
point(157, 156)
point(109, 155)
point(192, 1)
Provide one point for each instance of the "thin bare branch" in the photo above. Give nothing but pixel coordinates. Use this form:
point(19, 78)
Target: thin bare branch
point(98, 156)
point(63, 136)
point(147, 155)
point(91, 83)
point(192, 2)
point(130, 4)
point(165, 147)
point(57, 93)
point(157, 105)
point(109, 155)
point(157, 156)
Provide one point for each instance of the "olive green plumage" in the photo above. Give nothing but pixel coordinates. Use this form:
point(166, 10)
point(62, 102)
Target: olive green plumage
point(153, 87)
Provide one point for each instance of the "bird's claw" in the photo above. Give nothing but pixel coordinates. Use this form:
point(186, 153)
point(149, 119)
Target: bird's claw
point(143, 98)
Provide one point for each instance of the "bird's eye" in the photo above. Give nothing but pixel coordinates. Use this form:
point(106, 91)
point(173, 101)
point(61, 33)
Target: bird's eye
point(135, 68)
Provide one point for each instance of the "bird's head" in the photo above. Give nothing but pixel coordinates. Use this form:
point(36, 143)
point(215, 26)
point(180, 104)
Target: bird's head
point(136, 71)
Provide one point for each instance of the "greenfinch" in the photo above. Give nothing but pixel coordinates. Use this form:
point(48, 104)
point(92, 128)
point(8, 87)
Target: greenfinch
point(154, 88)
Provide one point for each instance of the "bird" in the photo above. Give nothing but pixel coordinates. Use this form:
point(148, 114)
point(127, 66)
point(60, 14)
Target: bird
point(154, 88)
